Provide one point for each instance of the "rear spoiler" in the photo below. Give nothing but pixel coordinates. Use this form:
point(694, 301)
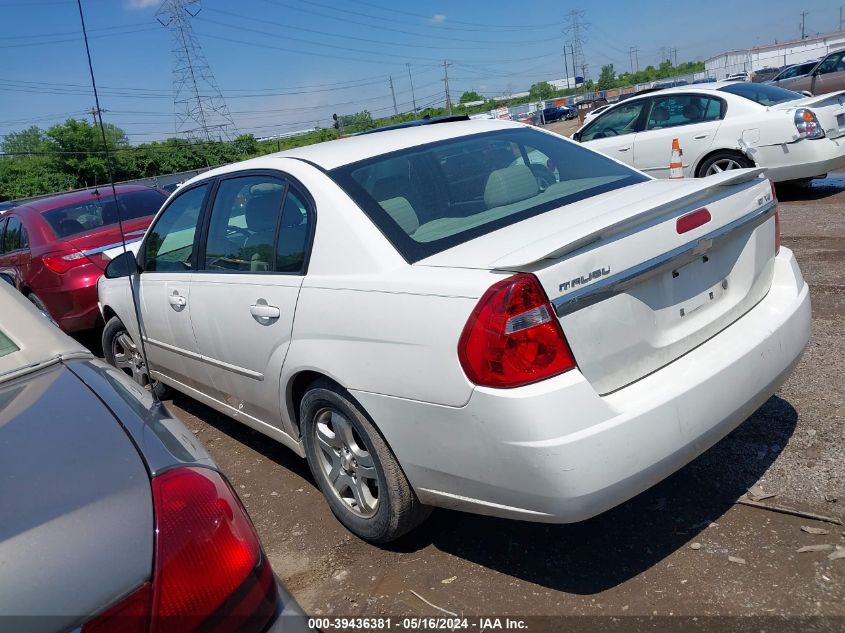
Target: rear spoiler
point(555, 245)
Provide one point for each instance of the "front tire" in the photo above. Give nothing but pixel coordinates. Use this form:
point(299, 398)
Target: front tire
point(354, 468)
point(723, 161)
point(121, 351)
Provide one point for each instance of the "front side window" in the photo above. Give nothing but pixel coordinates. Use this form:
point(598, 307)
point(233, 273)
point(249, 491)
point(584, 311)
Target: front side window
point(169, 244)
point(428, 198)
point(101, 211)
point(833, 64)
point(618, 121)
point(682, 109)
point(2, 229)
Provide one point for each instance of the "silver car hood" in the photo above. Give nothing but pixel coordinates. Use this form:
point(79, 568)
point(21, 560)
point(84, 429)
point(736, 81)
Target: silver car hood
point(76, 526)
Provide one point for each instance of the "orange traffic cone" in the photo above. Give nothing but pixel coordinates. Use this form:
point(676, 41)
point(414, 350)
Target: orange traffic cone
point(676, 167)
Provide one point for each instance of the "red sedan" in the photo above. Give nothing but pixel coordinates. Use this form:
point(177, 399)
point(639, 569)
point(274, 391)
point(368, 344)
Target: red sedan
point(55, 248)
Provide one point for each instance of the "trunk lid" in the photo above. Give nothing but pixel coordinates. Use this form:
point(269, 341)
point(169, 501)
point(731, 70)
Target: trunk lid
point(631, 292)
point(99, 245)
point(77, 529)
point(829, 109)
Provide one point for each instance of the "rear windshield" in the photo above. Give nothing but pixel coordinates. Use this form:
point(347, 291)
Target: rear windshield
point(6, 345)
point(432, 197)
point(761, 93)
point(101, 211)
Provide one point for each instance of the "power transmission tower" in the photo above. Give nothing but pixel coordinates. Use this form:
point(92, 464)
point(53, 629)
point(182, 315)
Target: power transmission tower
point(413, 96)
point(634, 58)
point(575, 29)
point(201, 112)
point(393, 94)
point(673, 56)
point(446, 84)
point(803, 22)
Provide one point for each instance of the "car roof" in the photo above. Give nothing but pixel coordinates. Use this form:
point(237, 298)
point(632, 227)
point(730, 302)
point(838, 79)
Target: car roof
point(332, 154)
point(38, 341)
point(47, 203)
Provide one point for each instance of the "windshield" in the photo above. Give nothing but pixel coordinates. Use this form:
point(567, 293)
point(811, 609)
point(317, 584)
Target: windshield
point(761, 93)
point(101, 212)
point(432, 197)
point(6, 345)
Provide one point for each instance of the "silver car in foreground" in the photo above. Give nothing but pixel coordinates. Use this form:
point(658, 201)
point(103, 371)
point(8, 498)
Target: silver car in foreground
point(113, 517)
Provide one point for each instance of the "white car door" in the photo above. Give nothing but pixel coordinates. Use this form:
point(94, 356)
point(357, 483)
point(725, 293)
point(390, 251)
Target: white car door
point(613, 132)
point(164, 288)
point(244, 294)
point(691, 118)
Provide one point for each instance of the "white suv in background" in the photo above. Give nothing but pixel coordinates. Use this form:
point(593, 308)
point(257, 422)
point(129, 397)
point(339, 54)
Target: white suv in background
point(477, 315)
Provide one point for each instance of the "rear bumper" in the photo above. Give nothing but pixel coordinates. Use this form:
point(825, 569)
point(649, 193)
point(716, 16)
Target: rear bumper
point(558, 452)
point(803, 159)
point(73, 304)
point(289, 618)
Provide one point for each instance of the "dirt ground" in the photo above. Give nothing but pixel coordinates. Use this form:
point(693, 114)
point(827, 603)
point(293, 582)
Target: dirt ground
point(682, 548)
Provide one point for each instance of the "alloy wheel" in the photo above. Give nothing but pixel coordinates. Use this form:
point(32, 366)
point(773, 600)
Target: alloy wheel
point(346, 463)
point(128, 358)
point(723, 164)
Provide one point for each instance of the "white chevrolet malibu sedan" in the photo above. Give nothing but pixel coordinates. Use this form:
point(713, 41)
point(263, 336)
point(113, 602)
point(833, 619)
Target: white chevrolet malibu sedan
point(722, 126)
point(476, 315)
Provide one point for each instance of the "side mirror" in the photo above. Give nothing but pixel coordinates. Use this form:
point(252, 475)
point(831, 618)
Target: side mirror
point(576, 136)
point(8, 279)
point(123, 265)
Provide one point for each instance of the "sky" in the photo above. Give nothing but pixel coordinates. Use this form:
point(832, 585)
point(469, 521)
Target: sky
point(286, 65)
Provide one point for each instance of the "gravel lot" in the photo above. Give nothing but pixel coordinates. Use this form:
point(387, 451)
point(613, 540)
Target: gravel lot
point(665, 552)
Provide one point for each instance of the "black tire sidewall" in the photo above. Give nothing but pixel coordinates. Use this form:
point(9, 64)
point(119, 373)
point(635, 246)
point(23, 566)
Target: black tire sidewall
point(110, 331)
point(376, 527)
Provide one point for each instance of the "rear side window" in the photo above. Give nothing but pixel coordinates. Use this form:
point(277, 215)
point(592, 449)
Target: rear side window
point(682, 109)
point(12, 236)
point(2, 229)
point(429, 198)
point(169, 245)
point(101, 211)
point(6, 346)
point(258, 224)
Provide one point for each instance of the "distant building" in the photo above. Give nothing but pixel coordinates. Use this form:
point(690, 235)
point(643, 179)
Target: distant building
point(276, 137)
point(773, 55)
point(569, 82)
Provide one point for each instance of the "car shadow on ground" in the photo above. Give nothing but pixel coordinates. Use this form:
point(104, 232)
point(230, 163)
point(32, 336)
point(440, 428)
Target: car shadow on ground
point(243, 434)
point(595, 555)
point(814, 190)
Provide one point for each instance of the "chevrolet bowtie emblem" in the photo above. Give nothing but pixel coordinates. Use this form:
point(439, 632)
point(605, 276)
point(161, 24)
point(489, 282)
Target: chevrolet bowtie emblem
point(702, 247)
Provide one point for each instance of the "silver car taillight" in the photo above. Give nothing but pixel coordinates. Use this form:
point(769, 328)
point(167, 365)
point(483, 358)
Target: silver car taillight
point(807, 124)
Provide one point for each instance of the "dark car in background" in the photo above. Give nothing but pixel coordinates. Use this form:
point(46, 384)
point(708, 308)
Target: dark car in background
point(114, 517)
point(56, 247)
point(559, 113)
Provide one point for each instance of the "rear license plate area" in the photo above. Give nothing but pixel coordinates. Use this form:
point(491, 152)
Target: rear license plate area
point(695, 288)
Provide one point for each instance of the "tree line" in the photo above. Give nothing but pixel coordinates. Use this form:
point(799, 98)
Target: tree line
point(71, 155)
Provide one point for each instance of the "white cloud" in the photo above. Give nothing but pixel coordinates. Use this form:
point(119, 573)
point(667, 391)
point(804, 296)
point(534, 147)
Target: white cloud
point(141, 4)
point(438, 18)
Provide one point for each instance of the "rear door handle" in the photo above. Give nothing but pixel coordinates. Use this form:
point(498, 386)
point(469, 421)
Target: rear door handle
point(624, 149)
point(177, 301)
point(701, 136)
point(263, 311)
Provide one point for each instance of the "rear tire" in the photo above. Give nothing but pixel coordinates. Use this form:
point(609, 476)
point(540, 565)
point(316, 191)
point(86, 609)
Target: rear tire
point(121, 351)
point(354, 468)
point(723, 161)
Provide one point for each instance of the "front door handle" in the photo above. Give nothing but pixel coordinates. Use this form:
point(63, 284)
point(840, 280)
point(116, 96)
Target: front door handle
point(624, 149)
point(701, 137)
point(263, 311)
point(177, 301)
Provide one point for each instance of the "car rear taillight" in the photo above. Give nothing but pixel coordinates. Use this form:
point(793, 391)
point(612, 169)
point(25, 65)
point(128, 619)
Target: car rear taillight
point(209, 570)
point(512, 337)
point(62, 261)
point(807, 124)
point(777, 218)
